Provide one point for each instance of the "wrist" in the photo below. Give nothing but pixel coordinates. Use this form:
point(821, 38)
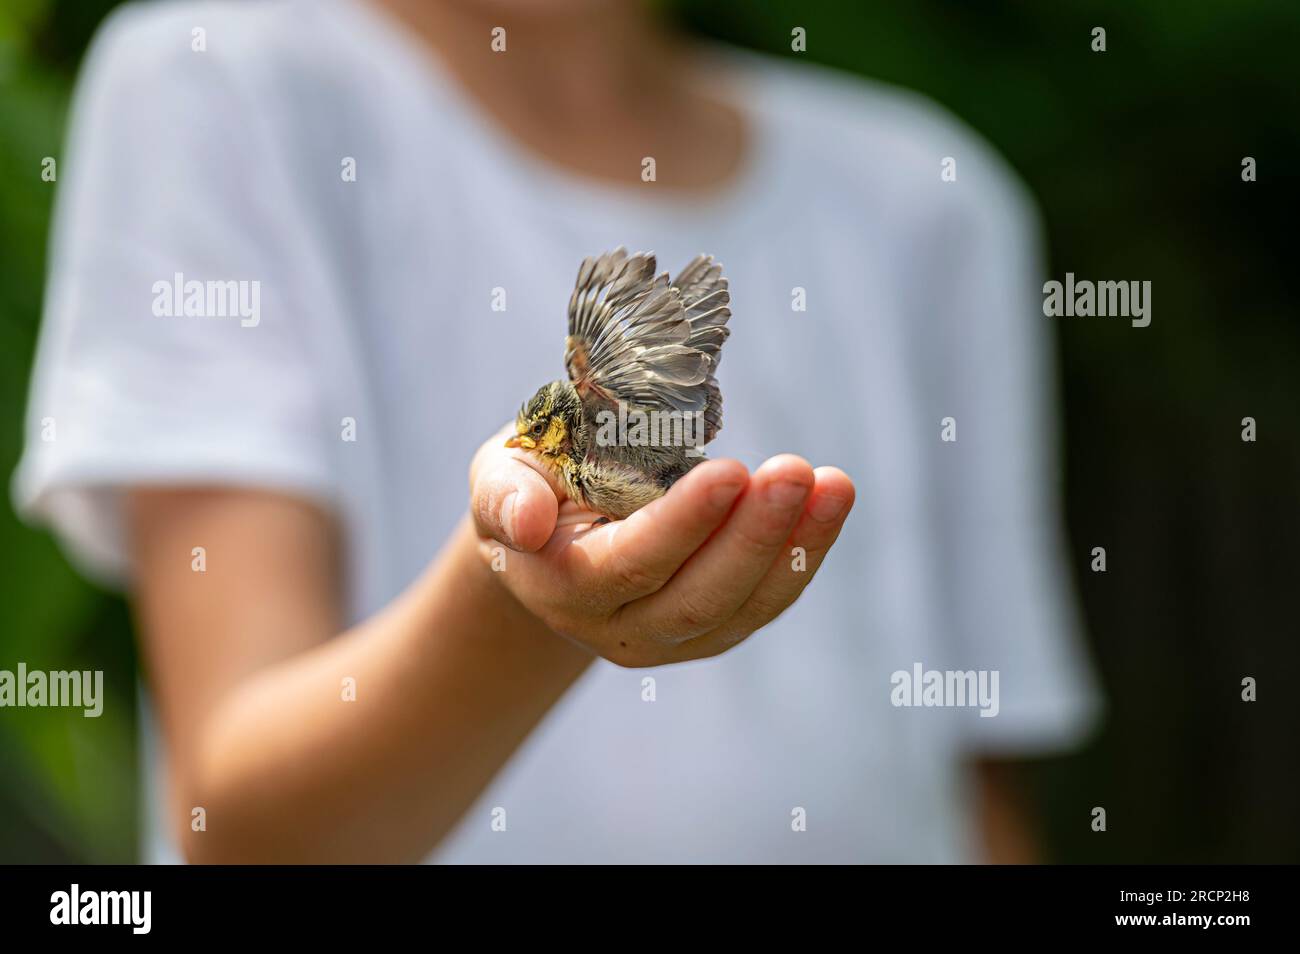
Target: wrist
point(469, 580)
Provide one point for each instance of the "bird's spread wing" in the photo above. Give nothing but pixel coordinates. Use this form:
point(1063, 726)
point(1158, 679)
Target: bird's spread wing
point(646, 341)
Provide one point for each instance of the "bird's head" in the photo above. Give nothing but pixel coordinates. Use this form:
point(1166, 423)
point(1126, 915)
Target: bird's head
point(546, 423)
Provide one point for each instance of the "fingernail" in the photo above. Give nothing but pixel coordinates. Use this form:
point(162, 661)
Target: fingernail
point(507, 515)
point(826, 508)
point(786, 494)
point(723, 494)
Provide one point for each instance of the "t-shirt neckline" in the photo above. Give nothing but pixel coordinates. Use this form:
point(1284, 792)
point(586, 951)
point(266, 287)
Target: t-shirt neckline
point(730, 203)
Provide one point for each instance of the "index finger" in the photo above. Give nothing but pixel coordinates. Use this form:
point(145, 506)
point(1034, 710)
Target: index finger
point(637, 555)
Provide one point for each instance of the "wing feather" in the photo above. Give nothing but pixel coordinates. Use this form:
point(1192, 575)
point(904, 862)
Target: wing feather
point(644, 340)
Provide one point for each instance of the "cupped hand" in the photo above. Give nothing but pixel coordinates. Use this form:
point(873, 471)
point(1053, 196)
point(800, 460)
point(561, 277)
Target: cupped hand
point(688, 576)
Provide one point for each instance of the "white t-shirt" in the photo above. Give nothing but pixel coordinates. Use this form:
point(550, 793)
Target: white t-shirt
point(376, 307)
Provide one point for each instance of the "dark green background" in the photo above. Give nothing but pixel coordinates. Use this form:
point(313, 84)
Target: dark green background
point(1135, 156)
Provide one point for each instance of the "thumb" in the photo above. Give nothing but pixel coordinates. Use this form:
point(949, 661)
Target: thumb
point(511, 500)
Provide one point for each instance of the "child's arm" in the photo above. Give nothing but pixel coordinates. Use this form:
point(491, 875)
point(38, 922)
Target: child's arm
point(449, 678)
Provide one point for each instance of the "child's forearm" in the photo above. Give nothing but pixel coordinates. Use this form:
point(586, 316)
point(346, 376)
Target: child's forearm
point(372, 745)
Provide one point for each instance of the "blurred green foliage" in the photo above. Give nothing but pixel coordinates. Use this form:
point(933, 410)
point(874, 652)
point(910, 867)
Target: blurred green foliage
point(67, 783)
point(1134, 155)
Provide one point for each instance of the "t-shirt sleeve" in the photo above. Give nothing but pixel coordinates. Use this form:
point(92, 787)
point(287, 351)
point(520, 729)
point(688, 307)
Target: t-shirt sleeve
point(175, 346)
point(1010, 606)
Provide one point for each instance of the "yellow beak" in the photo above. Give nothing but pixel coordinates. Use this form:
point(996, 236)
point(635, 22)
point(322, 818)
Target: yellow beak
point(521, 440)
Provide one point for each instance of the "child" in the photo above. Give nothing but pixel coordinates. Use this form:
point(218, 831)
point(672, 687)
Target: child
point(401, 192)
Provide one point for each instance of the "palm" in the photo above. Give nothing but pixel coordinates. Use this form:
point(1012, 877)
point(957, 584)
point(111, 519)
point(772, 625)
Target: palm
point(687, 576)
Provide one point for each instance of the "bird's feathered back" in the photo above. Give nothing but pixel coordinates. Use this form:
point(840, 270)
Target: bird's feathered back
point(649, 342)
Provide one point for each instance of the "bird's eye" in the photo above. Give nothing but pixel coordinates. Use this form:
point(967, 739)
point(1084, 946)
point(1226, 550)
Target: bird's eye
point(538, 429)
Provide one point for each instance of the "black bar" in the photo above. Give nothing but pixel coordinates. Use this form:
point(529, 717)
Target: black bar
point(332, 904)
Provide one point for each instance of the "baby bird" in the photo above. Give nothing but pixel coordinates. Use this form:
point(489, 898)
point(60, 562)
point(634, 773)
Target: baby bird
point(641, 398)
